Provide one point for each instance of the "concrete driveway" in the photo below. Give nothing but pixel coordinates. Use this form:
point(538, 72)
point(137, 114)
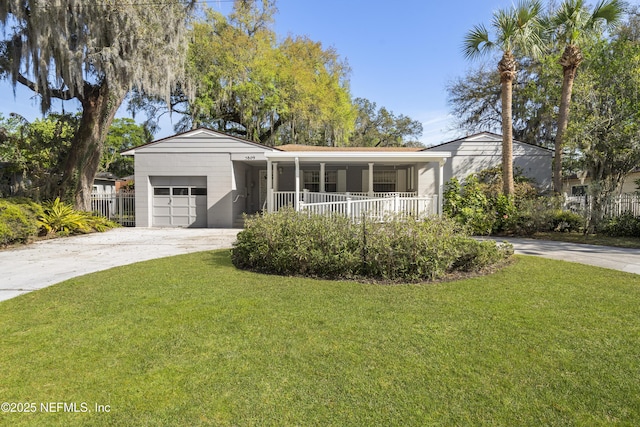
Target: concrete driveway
point(622, 259)
point(44, 263)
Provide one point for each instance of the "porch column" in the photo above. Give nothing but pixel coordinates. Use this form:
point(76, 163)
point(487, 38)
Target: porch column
point(269, 186)
point(322, 177)
point(440, 184)
point(297, 200)
point(275, 176)
point(370, 179)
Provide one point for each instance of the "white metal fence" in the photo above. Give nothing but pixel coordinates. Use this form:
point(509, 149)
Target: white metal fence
point(118, 207)
point(623, 203)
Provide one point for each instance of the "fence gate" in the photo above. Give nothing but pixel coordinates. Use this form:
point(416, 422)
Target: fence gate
point(118, 207)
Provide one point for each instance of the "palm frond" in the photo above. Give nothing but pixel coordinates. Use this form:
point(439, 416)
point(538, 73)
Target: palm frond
point(477, 42)
point(517, 28)
point(609, 11)
point(574, 20)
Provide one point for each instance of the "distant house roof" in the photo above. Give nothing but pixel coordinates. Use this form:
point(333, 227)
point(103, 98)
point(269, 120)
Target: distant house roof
point(106, 176)
point(485, 135)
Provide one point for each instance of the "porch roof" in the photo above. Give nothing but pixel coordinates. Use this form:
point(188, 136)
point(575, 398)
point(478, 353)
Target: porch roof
point(354, 157)
point(300, 147)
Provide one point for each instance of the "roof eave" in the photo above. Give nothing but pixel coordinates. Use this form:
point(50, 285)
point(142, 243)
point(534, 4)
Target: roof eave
point(362, 156)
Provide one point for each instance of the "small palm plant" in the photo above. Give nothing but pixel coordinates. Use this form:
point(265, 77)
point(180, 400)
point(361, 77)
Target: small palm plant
point(59, 217)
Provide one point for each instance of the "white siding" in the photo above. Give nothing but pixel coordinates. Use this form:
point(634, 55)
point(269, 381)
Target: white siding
point(199, 153)
point(484, 151)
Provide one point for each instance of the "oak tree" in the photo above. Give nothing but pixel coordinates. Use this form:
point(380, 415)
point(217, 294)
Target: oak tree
point(93, 52)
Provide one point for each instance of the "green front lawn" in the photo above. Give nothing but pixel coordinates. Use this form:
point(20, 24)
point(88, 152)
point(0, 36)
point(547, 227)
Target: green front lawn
point(190, 340)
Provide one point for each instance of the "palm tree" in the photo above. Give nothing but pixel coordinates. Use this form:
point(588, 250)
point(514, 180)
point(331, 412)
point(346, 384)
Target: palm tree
point(574, 23)
point(517, 30)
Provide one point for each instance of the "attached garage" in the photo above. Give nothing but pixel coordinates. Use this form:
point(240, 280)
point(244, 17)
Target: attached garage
point(179, 201)
point(199, 178)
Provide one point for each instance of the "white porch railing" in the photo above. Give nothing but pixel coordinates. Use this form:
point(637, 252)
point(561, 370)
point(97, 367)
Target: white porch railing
point(283, 199)
point(381, 195)
point(375, 208)
point(354, 205)
point(287, 198)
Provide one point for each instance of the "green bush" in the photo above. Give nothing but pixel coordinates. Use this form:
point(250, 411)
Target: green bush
point(469, 206)
point(99, 223)
point(398, 249)
point(62, 219)
point(567, 221)
point(21, 220)
point(59, 217)
point(18, 221)
point(625, 225)
point(480, 206)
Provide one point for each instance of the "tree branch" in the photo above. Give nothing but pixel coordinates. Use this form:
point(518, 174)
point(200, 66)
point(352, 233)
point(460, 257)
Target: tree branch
point(64, 95)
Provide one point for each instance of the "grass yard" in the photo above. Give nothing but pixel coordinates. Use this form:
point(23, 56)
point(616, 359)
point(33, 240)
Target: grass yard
point(189, 340)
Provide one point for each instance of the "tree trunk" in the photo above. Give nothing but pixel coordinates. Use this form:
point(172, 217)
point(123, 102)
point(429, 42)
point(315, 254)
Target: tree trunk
point(571, 58)
point(563, 122)
point(507, 69)
point(99, 106)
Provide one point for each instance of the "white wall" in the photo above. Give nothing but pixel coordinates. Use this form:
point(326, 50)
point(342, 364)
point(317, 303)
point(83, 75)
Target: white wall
point(475, 154)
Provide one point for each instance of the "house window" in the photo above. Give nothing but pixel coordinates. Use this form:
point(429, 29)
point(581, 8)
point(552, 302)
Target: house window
point(384, 181)
point(579, 190)
point(180, 191)
point(312, 181)
point(330, 181)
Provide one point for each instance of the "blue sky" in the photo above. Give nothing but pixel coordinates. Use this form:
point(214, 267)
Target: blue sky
point(402, 53)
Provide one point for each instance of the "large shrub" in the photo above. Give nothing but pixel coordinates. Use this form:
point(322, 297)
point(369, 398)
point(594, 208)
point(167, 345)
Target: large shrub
point(479, 205)
point(625, 225)
point(545, 213)
point(398, 249)
point(18, 221)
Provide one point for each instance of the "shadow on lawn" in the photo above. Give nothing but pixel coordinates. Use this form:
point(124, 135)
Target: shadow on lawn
point(219, 258)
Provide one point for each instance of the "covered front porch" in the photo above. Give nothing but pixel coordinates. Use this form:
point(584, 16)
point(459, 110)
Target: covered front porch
point(355, 183)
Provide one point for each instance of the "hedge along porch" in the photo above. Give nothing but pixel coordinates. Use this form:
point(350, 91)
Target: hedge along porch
point(329, 179)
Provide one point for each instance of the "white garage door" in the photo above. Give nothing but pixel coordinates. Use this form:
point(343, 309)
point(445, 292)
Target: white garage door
point(179, 203)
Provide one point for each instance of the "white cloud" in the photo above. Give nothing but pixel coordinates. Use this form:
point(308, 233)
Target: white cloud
point(437, 127)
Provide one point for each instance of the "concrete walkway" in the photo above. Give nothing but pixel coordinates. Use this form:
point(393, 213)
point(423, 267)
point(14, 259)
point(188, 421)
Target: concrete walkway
point(45, 263)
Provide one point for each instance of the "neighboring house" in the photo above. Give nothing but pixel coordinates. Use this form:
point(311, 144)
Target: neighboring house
point(483, 150)
point(104, 183)
point(578, 184)
point(204, 178)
